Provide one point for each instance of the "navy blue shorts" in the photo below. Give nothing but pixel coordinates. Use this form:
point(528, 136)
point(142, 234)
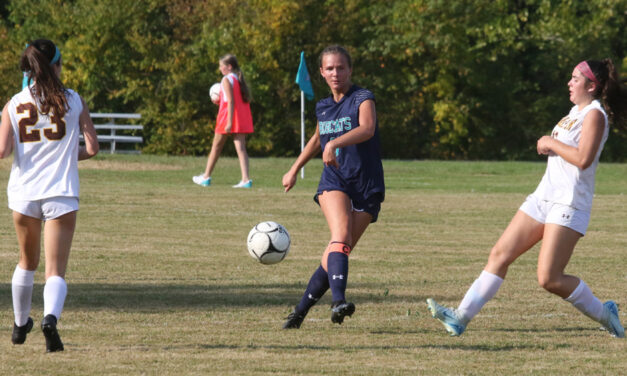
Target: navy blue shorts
point(371, 205)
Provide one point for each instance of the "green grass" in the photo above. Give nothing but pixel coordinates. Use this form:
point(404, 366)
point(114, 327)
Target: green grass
point(160, 282)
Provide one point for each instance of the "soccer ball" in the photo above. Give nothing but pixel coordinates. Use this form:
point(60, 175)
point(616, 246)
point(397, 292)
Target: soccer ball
point(268, 242)
point(214, 92)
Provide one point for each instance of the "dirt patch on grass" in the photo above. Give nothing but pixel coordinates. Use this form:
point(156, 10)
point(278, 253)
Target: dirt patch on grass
point(5, 165)
point(125, 166)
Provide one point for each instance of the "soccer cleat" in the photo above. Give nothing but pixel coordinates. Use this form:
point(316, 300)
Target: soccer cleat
point(19, 332)
point(341, 309)
point(610, 320)
point(243, 184)
point(49, 327)
point(294, 320)
point(200, 180)
point(448, 317)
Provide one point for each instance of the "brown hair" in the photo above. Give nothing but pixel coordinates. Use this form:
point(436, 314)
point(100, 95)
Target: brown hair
point(336, 49)
point(231, 60)
point(38, 60)
point(612, 96)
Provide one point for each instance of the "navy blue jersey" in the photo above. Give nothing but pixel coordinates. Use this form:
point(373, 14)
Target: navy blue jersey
point(360, 174)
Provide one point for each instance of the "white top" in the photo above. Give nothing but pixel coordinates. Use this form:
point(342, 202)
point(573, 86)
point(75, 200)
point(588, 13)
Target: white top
point(565, 183)
point(230, 77)
point(45, 162)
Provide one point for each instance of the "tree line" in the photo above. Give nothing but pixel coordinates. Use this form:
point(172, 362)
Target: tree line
point(463, 79)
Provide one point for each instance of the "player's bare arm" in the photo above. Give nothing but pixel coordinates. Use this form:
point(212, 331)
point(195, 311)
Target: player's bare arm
point(6, 136)
point(89, 134)
point(228, 92)
point(365, 131)
point(583, 155)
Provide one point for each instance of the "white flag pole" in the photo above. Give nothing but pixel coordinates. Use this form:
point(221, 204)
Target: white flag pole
point(302, 129)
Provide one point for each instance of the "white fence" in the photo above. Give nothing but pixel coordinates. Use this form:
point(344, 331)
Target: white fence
point(113, 137)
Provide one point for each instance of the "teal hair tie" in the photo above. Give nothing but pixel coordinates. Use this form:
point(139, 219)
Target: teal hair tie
point(25, 81)
point(57, 56)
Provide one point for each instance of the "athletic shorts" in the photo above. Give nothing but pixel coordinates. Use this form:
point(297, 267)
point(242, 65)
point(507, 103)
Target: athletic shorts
point(549, 212)
point(371, 205)
point(47, 208)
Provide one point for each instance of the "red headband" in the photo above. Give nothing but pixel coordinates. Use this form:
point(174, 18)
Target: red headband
point(584, 68)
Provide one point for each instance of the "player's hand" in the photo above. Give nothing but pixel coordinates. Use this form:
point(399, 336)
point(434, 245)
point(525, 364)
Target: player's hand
point(544, 145)
point(289, 180)
point(227, 128)
point(328, 155)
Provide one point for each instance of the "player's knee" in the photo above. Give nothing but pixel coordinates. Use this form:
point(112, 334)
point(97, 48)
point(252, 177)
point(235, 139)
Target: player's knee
point(548, 282)
point(499, 258)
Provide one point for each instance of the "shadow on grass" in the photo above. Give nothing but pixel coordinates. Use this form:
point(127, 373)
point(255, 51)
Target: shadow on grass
point(141, 297)
point(461, 347)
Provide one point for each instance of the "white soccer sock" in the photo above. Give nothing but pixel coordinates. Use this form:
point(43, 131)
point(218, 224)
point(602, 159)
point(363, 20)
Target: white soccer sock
point(55, 292)
point(22, 291)
point(482, 290)
point(584, 300)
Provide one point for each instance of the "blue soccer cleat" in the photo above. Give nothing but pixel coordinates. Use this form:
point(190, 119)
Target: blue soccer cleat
point(448, 317)
point(610, 320)
point(244, 184)
point(200, 180)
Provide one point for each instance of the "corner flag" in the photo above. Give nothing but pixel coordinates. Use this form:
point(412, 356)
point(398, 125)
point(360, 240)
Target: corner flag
point(306, 90)
point(302, 78)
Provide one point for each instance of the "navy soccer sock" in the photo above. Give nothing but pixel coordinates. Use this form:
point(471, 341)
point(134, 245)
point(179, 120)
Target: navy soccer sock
point(337, 267)
point(318, 285)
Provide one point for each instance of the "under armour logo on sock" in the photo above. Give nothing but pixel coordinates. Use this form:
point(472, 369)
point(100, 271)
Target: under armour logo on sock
point(341, 276)
point(312, 297)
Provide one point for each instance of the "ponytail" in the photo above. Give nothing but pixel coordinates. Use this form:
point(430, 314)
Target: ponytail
point(231, 60)
point(612, 95)
point(37, 61)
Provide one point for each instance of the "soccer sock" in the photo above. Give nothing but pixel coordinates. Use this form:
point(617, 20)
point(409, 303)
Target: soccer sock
point(22, 291)
point(55, 292)
point(337, 267)
point(584, 300)
point(482, 290)
point(318, 285)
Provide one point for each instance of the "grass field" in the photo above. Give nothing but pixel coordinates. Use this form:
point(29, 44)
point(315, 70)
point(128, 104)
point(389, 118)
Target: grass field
point(160, 282)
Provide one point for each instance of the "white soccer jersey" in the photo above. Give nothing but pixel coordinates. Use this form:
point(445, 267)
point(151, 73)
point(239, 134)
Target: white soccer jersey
point(45, 161)
point(565, 183)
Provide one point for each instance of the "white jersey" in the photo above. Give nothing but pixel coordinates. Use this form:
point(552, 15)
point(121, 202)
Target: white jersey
point(565, 183)
point(45, 162)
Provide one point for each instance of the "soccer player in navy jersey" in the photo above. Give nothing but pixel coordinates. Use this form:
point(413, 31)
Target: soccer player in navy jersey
point(351, 187)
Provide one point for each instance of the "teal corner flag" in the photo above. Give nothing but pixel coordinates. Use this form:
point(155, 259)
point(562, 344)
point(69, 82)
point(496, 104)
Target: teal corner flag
point(302, 78)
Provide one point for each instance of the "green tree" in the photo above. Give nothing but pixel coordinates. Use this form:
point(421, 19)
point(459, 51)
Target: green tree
point(467, 79)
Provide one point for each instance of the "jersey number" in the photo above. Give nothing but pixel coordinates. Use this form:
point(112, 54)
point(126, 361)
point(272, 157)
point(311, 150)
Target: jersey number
point(34, 135)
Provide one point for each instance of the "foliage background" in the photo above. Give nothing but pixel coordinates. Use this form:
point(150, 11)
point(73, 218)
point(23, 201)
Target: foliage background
point(465, 79)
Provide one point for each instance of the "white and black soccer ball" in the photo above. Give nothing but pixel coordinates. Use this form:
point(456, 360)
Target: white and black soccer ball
point(214, 92)
point(268, 242)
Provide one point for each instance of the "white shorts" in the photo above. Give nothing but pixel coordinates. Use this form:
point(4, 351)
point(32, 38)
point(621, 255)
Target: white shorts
point(549, 212)
point(47, 208)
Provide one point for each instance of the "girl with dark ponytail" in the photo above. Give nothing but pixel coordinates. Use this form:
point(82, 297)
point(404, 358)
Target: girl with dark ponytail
point(42, 124)
point(557, 213)
point(39, 60)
